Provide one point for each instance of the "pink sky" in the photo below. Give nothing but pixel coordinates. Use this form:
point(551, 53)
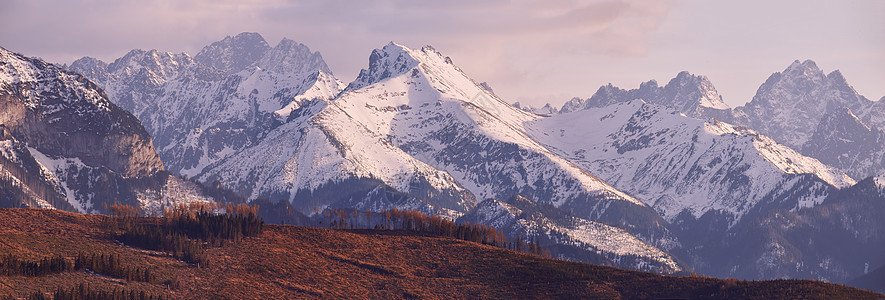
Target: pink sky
point(529, 51)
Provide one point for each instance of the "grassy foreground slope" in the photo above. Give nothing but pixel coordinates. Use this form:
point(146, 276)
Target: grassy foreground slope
point(285, 262)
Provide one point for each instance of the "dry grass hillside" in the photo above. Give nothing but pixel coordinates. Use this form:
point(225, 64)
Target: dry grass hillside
point(285, 262)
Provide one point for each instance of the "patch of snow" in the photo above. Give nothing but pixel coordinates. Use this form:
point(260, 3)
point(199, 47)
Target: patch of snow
point(58, 168)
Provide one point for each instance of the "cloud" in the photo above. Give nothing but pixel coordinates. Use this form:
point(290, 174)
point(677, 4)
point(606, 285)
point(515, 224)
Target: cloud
point(531, 24)
point(101, 26)
point(526, 48)
point(499, 41)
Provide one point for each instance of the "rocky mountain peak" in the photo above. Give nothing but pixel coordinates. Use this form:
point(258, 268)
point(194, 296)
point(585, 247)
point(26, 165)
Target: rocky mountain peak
point(837, 78)
point(547, 109)
point(93, 68)
point(687, 92)
point(648, 85)
point(799, 77)
point(692, 95)
point(233, 54)
point(790, 104)
point(391, 60)
point(289, 56)
point(805, 68)
point(573, 104)
point(683, 76)
point(160, 65)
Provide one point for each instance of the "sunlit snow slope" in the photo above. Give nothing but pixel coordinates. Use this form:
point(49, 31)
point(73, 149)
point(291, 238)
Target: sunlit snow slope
point(682, 164)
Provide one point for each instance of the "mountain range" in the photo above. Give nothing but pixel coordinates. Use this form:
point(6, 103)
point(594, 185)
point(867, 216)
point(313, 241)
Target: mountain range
point(655, 155)
point(412, 131)
point(667, 178)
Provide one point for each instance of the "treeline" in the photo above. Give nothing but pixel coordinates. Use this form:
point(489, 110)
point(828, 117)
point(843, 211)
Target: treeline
point(105, 264)
point(416, 221)
point(25, 187)
point(200, 222)
point(218, 192)
point(523, 244)
point(11, 265)
point(156, 237)
point(111, 265)
point(84, 292)
point(183, 230)
point(413, 220)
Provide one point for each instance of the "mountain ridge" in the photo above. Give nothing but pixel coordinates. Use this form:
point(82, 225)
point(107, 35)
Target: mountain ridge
point(414, 131)
point(227, 109)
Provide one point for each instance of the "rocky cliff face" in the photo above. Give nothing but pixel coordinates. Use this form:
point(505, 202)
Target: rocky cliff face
point(64, 145)
point(63, 114)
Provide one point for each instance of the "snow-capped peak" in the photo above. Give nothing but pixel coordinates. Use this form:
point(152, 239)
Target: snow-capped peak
point(807, 67)
point(790, 104)
point(421, 101)
point(693, 95)
point(13, 69)
point(93, 68)
point(49, 79)
point(695, 90)
point(546, 110)
point(233, 54)
point(161, 66)
point(391, 60)
point(204, 108)
point(294, 57)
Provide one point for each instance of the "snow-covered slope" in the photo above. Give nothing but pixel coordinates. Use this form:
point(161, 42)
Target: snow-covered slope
point(679, 164)
point(415, 122)
point(419, 101)
point(319, 146)
point(569, 237)
point(202, 109)
point(693, 95)
point(407, 103)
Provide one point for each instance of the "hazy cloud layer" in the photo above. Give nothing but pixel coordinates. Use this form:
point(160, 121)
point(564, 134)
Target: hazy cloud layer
point(530, 51)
